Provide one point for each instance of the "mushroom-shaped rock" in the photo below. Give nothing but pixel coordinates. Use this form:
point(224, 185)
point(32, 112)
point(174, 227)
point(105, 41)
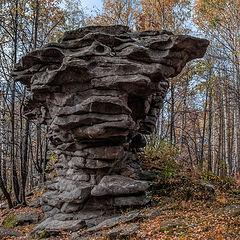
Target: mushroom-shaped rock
point(99, 89)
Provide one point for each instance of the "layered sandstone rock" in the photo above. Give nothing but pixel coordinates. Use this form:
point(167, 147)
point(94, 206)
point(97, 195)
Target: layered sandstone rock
point(99, 90)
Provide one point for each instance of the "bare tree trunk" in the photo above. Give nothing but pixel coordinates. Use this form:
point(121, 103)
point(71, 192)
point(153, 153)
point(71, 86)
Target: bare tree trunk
point(162, 123)
point(38, 157)
point(210, 169)
point(220, 164)
point(231, 140)
point(226, 134)
point(195, 143)
point(3, 170)
point(3, 142)
point(182, 126)
point(237, 66)
point(31, 181)
point(13, 160)
point(45, 157)
point(213, 138)
point(236, 141)
point(36, 24)
point(24, 163)
point(189, 153)
point(5, 192)
point(172, 121)
point(203, 131)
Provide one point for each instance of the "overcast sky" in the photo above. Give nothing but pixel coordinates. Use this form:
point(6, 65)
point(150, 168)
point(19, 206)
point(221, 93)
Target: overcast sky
point(91, 5)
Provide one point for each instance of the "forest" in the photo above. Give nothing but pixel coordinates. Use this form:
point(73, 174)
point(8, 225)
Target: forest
point(199, 124)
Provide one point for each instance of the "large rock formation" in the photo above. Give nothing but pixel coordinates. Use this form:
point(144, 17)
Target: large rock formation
point(99, 90)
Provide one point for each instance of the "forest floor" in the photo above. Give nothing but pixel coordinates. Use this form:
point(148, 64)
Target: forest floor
point(186, 211)
point(194, 220)
point(175, 220)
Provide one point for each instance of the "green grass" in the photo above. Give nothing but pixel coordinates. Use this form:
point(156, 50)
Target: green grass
point(10, 221)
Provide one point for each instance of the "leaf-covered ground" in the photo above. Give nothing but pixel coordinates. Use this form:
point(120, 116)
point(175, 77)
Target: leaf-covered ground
point(193, 220)
point(177, 220)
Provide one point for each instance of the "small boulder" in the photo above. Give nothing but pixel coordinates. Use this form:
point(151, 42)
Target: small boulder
point(53, 226)
point(121, 232)
point(169, 225)
point(112, 222)
point(26, 218)
point(5, 232)
point(229, 211)
point(118, 185)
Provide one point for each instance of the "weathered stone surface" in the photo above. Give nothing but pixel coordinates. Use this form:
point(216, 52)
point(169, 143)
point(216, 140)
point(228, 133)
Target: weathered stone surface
point(88, 214)
point(118, 185)
point(169, 225)
point(50, 213)
point(109, 223)
point(229, 211)
point(99, 89)
point(5, 232)
point(51, 199)
point(34, 203)
point(97, 164)
point(63, 216)
point(52, 225)
point(140, 200)
point(106, 152)
point(121, 232)
point(70, 207)
point(26, 218)
point(77, 194)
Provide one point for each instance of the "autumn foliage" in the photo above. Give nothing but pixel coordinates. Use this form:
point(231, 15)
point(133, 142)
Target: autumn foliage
point(142, 15)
